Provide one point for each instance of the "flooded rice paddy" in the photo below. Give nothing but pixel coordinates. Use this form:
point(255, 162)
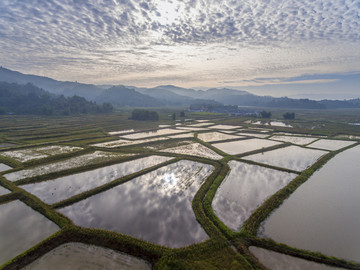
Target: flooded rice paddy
point(159, 132)
point(323, 213)
point(292, 157)
point(4, 191)
point(194, 149)
point(226, 127)
point(243, 146)
point(293, 139)
point(80, 256)
point(244, 189)
point(156, 207)
point(216, 136)
point(122, 142)
point(24, 155)
point(256, 135)
point(277, 261)
point(83, 160)
point(4, 167)
point(53, 191)
point(331, 145)
point(280, 124)
point(3, 145)
point(21, 228)
point(121, 132)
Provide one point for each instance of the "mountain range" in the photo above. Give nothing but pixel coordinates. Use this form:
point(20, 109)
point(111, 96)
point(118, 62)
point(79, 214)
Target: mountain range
point(165, 95)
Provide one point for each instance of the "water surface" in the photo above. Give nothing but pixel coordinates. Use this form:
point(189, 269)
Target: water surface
point(277, 261)
point(155, 207)
point(4, 191)
point(323, 214)
point(244, 189)
point(90, 257)
point(243, 146)
point(194, 149)
point(331, 145)
point(62, 188)
point(292, 157)
point(4, 167)
point(21, 228)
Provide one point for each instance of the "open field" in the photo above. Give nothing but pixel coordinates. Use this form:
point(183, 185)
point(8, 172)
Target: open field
point(111, 185)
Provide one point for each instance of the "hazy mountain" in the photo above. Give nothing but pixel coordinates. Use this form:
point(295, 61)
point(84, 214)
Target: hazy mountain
point(123, 96)
point(29, 99)
point(166, 95)
point(88, 91)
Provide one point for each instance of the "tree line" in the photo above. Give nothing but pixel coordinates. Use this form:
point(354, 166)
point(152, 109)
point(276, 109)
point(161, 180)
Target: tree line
point(29, 99)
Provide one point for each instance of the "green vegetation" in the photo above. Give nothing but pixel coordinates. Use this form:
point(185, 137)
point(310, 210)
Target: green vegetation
point(265, 114)
point(289, 115)
point(225, 249)
point(144, 115)
point(28, 99)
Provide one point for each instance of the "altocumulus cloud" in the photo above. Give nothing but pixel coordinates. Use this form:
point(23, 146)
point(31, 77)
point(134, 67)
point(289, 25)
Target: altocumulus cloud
point(124, 40)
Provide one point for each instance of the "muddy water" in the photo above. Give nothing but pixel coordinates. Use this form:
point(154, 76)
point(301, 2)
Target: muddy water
point(323, 214)
point(156, 207)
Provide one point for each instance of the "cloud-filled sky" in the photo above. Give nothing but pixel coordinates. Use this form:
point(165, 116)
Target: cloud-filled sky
point(189, 43)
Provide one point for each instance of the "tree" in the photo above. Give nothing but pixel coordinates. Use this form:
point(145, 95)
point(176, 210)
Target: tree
point(265, 114)
point(144, 115)
point(182, 114)
point(173, 116)
point(289, 116)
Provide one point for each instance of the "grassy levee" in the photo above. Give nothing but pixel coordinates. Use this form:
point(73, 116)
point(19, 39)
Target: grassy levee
point(252, 224)
point(79, 169)
point(34, 203)
point(10, 162)
point(251, 162)
point(207, 202)
point(264, 149)
point(110, 185)
point(119, 242)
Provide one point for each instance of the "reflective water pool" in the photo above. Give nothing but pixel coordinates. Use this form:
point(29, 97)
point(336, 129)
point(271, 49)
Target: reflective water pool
point(62, 188)
point(92, 158)
point(156, 207)
point(4, 167)
point(216, 136)
point(4, 191)
point(243, 146)
point(244, 189)
point(277, 261)
point(331, 145)
point(194, 149)
point(81, 256)
point(323, 214)
point(292, 157)
point(21, 228)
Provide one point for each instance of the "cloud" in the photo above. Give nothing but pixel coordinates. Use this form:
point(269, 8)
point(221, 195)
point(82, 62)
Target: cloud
point(246, 39)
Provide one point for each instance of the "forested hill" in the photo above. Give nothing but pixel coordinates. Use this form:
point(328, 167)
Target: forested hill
point(29, 99)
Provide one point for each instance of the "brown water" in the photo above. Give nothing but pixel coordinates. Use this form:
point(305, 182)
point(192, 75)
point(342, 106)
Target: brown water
point(323, 214)
point(156, 207)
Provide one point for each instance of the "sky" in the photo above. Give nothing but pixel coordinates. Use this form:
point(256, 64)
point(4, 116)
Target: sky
point(295, 48)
